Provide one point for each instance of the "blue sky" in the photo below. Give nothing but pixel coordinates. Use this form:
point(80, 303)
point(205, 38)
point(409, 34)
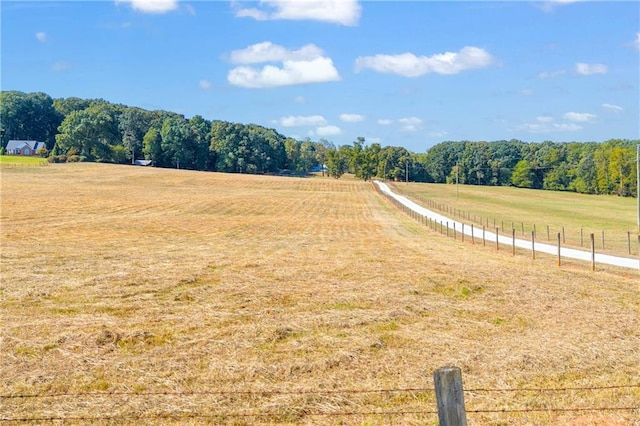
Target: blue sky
point(409, 74)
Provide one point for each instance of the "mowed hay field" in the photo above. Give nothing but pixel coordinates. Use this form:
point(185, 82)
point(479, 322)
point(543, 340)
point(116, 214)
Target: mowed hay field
point(136, 295)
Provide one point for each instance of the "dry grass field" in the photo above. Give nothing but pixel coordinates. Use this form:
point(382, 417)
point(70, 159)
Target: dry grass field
point(148, 296)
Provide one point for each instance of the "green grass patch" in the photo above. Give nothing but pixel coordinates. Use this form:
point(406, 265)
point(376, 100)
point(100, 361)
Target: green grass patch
point(22, 160)
point(546, 213)
point(529, 206)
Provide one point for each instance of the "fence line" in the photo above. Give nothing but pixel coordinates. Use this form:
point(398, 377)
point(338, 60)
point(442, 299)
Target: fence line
point(312, 392)
point(313, 413)
point(306, 414)
point(414, 209)
point(315, 392)
point(615, 242)
point(221, 392)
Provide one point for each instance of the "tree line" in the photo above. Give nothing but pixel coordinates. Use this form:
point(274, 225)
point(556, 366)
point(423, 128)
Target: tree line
point(77, 129)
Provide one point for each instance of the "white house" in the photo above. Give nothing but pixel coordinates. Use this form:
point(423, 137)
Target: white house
point(24, 147)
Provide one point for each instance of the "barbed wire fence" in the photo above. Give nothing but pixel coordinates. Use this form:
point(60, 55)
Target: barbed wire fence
point(430, 411)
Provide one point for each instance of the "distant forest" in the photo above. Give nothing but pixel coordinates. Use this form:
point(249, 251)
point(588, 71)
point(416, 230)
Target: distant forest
point(77, 129)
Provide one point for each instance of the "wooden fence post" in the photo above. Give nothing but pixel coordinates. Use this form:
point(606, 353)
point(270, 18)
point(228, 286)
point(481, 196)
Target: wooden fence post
point(450, 396)
point(513, 242)
point(559, 258)
point(473, 241)
point(533, 245)
point(497, 241)
point(593, 252)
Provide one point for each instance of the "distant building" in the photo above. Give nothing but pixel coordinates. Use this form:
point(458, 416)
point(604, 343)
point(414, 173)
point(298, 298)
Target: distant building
point(29, 148)
point(143, 162)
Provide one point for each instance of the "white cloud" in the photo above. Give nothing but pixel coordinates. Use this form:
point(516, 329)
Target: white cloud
point(151, 6)
point(438, 134)
point(580, 117)
point(549, 127)
point(41, 36)
point(251, 13)
point(551, 74)
point(269, 52)
point(305, 65)
point(636, 42)
point(589, 69)
point(299, 121)
point(526, 92)
point(385, 122)
point(351, 118)
point(204, 84)
point(318, 70)
point(410, 65)
point(544, 119)
point(374, 140)
point(328, 131)
point(610, 107)
point(344, 12)
point(410, 124)
point(566, 127)
point(550, 5)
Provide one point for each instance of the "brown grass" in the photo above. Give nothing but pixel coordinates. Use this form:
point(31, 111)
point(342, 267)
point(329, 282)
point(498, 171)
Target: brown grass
point(138, 280)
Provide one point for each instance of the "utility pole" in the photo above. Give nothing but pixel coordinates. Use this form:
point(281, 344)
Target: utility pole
point(406, 172)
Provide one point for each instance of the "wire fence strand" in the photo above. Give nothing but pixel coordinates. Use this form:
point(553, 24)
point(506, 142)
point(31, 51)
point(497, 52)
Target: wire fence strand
point(219, 392)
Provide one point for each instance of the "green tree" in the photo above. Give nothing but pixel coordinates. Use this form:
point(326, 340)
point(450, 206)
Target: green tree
point(66, 106)
point(133, 124)
point(152, 146)
point(92, 132)
point(176, 142)
point(200, 130)
point(29, 116)
point(336, 162)
point(307, 156)
point(441, 159)
point(522, 176)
